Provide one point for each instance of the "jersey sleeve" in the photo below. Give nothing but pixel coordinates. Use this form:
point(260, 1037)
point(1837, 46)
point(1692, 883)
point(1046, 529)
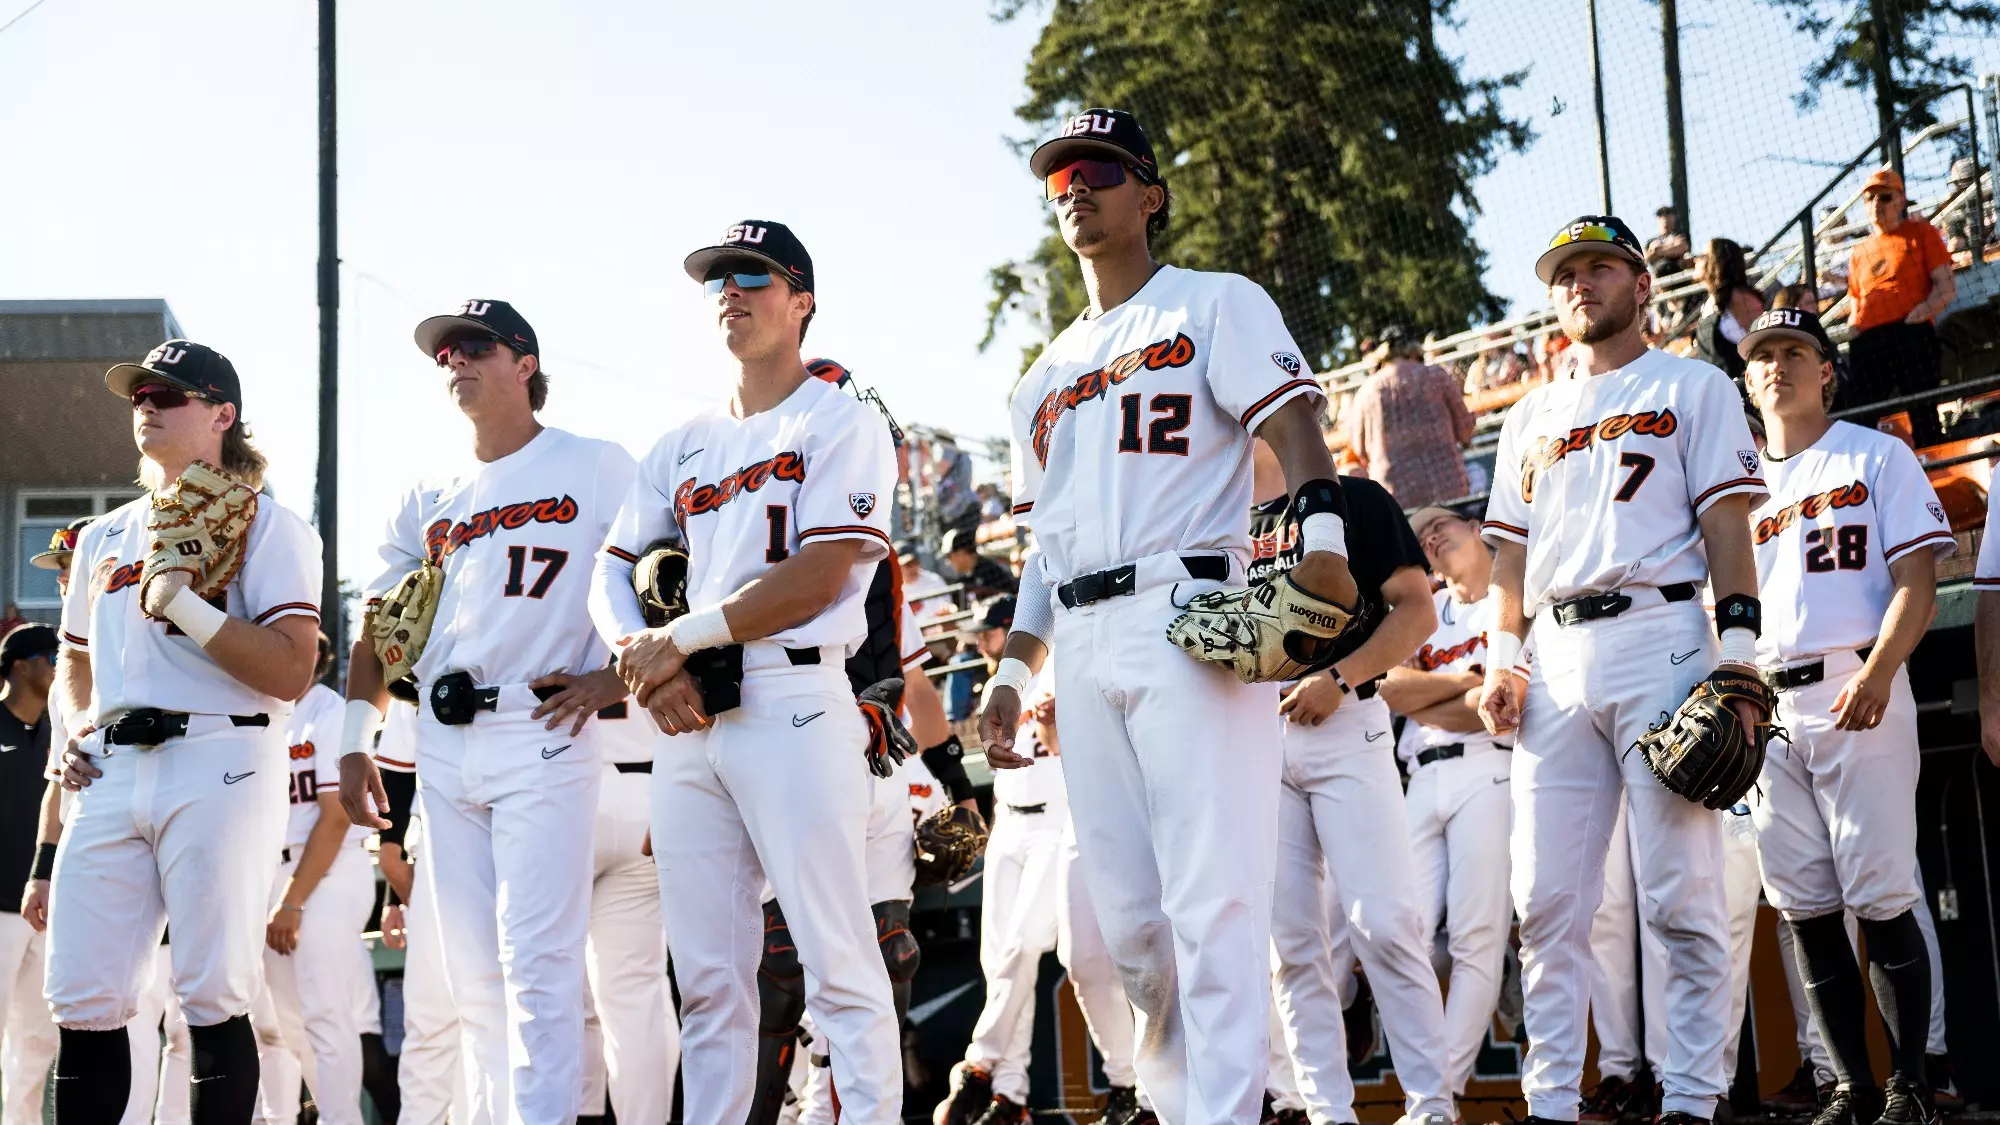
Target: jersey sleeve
point(1907, 508)
point(281, 570)
point(644, 516)
point(914, 651)
point(1254, 366)
point(1720, 456)
point(1506, 509)
point(402, 549)
point(1985, 574)
point(1025, 460)
point(323, 731)
point(850, 480)
point(73, 630)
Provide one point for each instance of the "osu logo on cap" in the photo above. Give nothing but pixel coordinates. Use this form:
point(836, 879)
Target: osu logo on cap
point(744, 232)
point(475, 308)
point(1087, 123)
point(165, 355)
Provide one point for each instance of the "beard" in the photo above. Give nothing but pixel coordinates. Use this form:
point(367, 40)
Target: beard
point(1614, 317)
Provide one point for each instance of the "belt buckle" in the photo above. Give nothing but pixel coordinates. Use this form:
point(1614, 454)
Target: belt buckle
point(1089, 589)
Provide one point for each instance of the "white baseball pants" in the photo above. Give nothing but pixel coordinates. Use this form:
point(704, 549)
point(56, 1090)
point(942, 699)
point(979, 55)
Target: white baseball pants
point(1341, 812)
point(1309, 1007)
point(777, 788)
point(30, 1035)
point(313, 990)
point(431, 1072)
point(891, 855)
point(627, 956)
point(507, 811)
point(1596, 688)
point(186, 832)
point(1092, 975)
point(1177, 764)
point(1024, 856)
point(159, 1074)
point(1460, 812)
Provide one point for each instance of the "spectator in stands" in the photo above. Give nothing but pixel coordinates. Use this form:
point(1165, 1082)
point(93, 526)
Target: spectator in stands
point(1899, 279)
point(1408, 423)
point(983, 577)
point(1497, 366)
point(991, 622)
point(1797, 297)
point(919, 585)
point(1732, 305)
point(957, 504)
point(992, 505)
point(1667, 252)
point(1958, 233)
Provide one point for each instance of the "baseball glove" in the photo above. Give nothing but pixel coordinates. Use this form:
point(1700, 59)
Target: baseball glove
point(949, 842)
point(401, 626)
point(889, 742)
point(1703, 751)
point(660, 579)
point(1271, 632)
point(200, 527)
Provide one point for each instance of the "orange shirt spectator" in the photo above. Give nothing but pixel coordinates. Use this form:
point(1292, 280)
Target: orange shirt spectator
point(1892, 271)
point(1407, 425)
point(1899, 279)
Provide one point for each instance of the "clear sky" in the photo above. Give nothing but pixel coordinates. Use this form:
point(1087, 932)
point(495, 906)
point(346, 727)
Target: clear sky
point(566, 157)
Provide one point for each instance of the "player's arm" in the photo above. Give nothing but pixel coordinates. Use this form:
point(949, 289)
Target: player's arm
point(1863, 701)
point(1020, 662)
point(1292, 431)
point(1502, 694)
point(1732, 562)
point(927, 719)
point(1412, 618)
point(1409, 690)
point(401, 786)
point(1458, 714)
point(74, 683)
point(1944, 289)
point(35, 897)
point(362, 798)
point(322, 847)
point(274, 659)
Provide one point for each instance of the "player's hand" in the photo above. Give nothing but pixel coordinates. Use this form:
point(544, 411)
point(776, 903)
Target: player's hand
point(77, 770)
point(1500, 703)
point(646, 845)
point(646, 660)
point(581, 697)
point(281, 933)
point(1864, 700)
point(1748, 713)
point(1989, 733)
point(360, 782)
point(1327, 575)
point(396, 869)
point(161, 590)
point(676, 705)
point(394, 935)
point(35, 904)
point(1313, 701)
point(998, 722)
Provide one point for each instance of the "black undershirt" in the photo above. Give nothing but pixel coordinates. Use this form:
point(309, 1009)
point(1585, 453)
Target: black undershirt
point(24, 756)
point(1379, 543)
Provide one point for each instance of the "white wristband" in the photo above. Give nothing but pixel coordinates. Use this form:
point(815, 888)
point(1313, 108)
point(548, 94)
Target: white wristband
point(196, 618)
point(1323, 531)
point(357, 727)
point(697, 631)
point(1013, 673)
point(1739, 646)
point(1502, 650)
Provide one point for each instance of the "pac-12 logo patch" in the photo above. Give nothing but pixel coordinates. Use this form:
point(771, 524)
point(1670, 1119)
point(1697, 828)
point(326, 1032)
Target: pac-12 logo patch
point(1936, 510)
point(862, 503)
point(1749, 459)
point(1290, 363)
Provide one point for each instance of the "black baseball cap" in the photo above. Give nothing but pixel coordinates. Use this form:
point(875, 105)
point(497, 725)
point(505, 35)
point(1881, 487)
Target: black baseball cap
point(1589, 234)
point(959, 539)
point(760, 240)
point(27, 641)
point(62, 545)
point(1111, 133)
point(999, 614)
point(479, 315)
point(1796, 324)
point(192, 367)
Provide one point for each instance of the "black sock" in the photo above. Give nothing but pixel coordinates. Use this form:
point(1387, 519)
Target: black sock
point(223, 1074)
point(1900, 969)
point(93, 1076)
point(1833, 990)
point(378, 1077)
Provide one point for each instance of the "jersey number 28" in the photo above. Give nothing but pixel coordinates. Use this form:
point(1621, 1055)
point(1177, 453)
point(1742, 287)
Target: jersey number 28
point(1837, 548)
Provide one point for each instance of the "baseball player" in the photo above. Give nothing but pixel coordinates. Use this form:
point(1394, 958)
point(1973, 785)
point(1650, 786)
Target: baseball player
point(1343, 832)
point(781, 498)
point(1457, 805)
point(27, 673)
point(481, 601)
point(183, 648)
point(1846, 546)
point(1986, 625)
point(1619, 486)
point(1131, 463)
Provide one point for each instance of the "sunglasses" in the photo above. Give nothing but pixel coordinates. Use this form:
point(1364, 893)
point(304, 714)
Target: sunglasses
point(1094, 174)
point(471, 347)
point(63, 540)
point(163, 397)
point(1585, 232)
point(714, 282)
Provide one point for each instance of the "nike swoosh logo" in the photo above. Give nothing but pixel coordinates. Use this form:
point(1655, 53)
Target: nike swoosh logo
point(233, 778)
point(798, 722)
point(6, 749)
point(1501, 780)
point(114, 532)
point(1682, 657)
point(1375, 734)
point(684, 457)
point(548, 753)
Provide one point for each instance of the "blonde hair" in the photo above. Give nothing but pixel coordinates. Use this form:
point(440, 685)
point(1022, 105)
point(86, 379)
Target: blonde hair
point(240, 459)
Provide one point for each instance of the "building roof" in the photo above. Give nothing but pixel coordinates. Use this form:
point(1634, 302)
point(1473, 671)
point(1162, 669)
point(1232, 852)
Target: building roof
point(83, 329)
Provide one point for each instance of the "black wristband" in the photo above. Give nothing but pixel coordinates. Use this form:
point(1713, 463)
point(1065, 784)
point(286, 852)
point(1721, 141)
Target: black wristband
point(1316, 496)
point(946, 761)
point(1739, 611)
point(45, 861)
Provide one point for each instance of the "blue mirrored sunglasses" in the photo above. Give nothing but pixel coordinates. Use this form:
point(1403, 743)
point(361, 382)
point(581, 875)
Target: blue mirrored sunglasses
point(715, 282)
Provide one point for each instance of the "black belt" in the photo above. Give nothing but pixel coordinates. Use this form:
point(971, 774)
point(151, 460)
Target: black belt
point(800, 657)
point(1122, 580)
point(633, 767)
point(1431, 754)
point(150, 726)
point(455, 699)
point(1367, 688)
point(1029, 810)
point(1594, 606)
point(1804, 675)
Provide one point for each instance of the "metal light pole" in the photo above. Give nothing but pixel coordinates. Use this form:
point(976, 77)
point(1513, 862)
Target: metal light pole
point(327, 503)
point(1677, 168)
point(1597, 93)
point(1885, 85)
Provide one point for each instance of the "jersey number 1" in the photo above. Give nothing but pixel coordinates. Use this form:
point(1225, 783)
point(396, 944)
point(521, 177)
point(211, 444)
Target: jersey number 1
point(552, 562)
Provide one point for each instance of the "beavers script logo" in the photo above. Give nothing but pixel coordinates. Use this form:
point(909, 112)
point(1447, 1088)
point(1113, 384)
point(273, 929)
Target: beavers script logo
point(1846, 496)
point(692, 499)
point(1545, 453)
point(1431, 659)
point(444, 536)
point(1177, 352)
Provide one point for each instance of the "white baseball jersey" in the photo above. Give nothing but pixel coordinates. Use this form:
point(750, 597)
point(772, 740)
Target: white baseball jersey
point(1459, 645)
point(1986, 572)
point(1603, 477)
point(745, 494)
point(1132, 430)
point(1839, 513)
point(137, 661)
point(516, 538)
point(396, 738)
point(313, 736)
